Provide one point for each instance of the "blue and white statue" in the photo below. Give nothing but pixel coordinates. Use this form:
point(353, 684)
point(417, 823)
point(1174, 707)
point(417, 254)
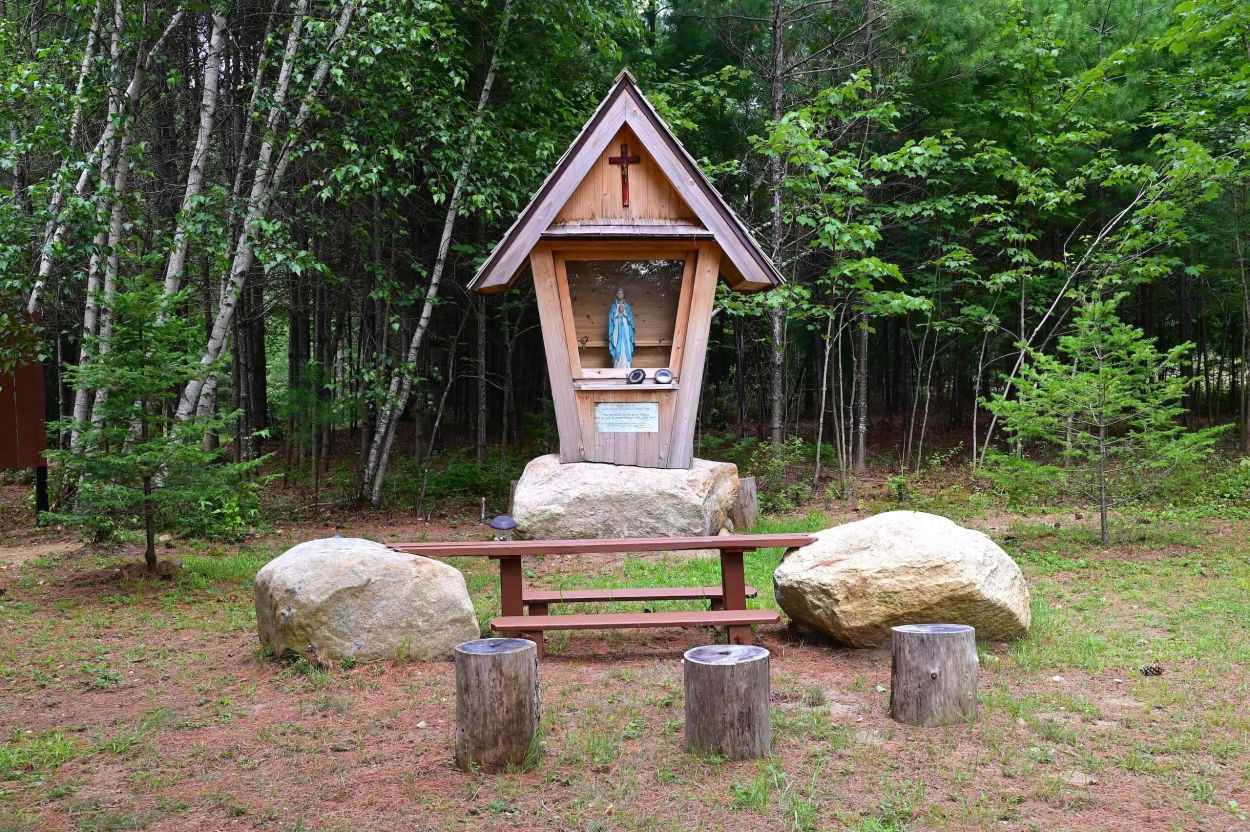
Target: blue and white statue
point(621, 332)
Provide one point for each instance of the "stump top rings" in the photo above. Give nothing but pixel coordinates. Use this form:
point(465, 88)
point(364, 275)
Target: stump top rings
point(725, 654)
point(492, 646)
point(932, 628)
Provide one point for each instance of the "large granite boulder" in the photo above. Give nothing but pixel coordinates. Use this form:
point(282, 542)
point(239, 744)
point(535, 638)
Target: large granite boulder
point(592, 499)
point(858, 580)
point(350, 598)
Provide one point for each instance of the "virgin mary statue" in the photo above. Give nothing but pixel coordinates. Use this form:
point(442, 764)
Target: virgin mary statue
point(621, 332)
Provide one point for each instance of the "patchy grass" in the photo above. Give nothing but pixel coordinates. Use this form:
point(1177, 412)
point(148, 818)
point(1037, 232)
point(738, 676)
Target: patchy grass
point(149, 705)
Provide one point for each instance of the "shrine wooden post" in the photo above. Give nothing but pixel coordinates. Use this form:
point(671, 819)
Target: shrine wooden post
point(627, 210)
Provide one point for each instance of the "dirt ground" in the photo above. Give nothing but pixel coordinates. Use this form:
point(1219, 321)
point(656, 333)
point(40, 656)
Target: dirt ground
point(148, 705)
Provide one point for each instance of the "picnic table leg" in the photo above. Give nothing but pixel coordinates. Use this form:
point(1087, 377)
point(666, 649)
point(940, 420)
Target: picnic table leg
point(510, 602)
point(510, 597)
point(734, 584)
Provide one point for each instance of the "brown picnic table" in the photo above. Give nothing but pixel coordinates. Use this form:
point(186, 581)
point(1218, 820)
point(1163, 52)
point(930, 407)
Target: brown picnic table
point(728, 602)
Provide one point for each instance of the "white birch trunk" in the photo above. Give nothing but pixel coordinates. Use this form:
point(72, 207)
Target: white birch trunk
point(102, 149)
point(824, 390)
point(56, 228)
point(104, 341)
point(116, 141)
point(90, 315)
point(776, 315)
point(195, 172)
point(270, 170)
point(401, 383)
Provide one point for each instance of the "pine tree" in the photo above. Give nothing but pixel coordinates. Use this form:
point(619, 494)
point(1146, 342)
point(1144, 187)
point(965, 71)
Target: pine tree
point(1111, 402)
point(136, 466)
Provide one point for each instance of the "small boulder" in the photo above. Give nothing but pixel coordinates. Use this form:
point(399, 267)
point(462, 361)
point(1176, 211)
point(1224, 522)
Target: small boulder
point(858, 580)
point(575, 500)
point(351, 598)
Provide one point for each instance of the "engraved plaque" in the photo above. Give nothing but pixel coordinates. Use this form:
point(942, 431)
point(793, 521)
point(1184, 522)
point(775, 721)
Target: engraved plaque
point(627, 417)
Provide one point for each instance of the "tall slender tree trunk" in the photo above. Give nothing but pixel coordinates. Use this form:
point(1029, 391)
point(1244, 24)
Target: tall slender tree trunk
point(118, 120)
point(271, 164)
point(860, 384)
point(401, 382)
point(508, 411)
point(1102, 483)
point(55, 225)
point(120, 103)
point(56, 228)
point(482, 412)
point(1243, 264)
point(195, 171)
point(112, 264)
point(824, 389)
point(776, 179)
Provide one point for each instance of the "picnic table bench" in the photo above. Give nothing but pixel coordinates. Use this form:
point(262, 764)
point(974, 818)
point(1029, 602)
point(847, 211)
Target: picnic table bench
point(728, 601)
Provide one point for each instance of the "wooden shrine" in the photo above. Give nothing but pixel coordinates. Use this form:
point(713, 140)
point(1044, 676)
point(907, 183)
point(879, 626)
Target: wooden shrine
point(626, 240)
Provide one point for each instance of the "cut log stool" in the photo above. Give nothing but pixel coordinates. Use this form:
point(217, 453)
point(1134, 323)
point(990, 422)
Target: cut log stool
point(497, 703)
point(933, 674)
point(727, 707)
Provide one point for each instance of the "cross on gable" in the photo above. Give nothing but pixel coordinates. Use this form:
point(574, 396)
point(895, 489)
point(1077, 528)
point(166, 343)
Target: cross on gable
point(685, 202)
point(624, 160)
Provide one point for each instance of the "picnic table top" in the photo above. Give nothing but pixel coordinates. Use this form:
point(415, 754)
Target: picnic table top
point(519, 548)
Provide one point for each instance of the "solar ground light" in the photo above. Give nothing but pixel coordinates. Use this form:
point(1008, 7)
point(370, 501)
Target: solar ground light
point(504, 526)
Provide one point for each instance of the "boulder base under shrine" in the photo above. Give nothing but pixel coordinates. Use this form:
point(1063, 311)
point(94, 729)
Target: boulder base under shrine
point(555, 500)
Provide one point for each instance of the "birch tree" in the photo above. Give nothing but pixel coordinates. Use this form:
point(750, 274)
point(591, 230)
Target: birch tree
point(195, 170)
point(272, 160)
point(114, 172)
point(400, 387)
point(120, 105)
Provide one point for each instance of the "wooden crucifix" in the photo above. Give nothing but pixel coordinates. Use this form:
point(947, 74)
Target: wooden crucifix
point(624, 160)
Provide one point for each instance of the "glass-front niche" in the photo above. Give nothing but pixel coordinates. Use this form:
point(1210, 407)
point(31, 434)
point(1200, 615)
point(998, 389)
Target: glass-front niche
point(624, 311)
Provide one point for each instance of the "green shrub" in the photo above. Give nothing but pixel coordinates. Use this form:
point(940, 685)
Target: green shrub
point(727, 448)
point(773, 467)
point(1233, 484)
point(899, 486)
point(455, 476)
point(1024, 482)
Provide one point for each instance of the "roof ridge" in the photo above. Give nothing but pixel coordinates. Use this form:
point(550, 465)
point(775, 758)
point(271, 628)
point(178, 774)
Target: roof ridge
point(626, 106)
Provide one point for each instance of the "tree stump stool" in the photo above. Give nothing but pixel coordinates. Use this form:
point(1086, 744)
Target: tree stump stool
point(933, 674)
point(727, 708)
point(497, 703)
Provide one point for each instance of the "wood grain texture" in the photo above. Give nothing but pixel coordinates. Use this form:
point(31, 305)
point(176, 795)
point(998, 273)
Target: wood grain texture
point(508, 258)
point(634, 620)
point(625, 108)
point(497, 704)
point(746, 268)
point(727, 701)
point(746, 510)
point(598, 196)
point(660, 229)
point(555, 344)
point(568, 322)
point(641, 449)
point(522, 548)
point(23, 435)
point(682, 323)
point(678, 452)
point(612, 594)
point(934, 671)
point(590, 284)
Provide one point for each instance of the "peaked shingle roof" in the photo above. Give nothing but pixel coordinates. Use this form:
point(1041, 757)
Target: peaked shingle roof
point(745, 265)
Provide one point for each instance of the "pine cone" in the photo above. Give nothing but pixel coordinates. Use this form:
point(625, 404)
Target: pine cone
point(1151, 670)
